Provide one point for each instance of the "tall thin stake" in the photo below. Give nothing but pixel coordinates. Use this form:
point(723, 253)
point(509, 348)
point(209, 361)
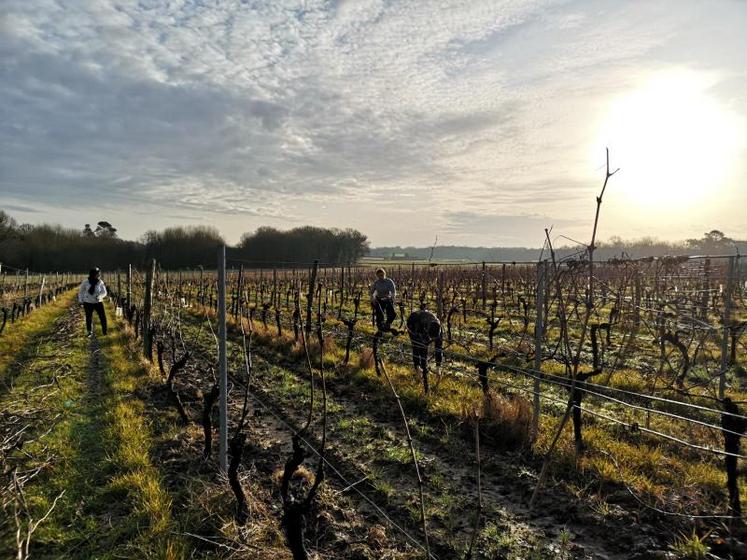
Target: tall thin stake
point(147, 307)
point(310, 296)
point(727, 325)
point(222, 361)
point(538, 328)
point(129, 286)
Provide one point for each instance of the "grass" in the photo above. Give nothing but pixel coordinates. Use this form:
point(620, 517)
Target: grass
point(367, 422)
point(203, 503)
point(97, 448)
point(660, 473)
point(690, 547)
point(102, 446)
point(127, 425)
point(400, 454)
point(498, 540)
point(505, 421)
point(16, 342)
point(613, 455)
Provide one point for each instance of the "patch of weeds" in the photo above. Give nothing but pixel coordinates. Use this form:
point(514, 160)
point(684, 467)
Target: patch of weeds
point(379, 480)
point(401, 454)
point(497, 541)
point(354, 428)
point(564, 540)
point(690, 547)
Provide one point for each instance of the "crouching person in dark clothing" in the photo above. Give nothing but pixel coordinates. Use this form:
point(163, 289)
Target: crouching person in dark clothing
point(424, 328)
point(91, 296)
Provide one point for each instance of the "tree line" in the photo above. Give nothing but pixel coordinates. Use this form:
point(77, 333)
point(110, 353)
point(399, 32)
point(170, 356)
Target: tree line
point(714, 242)
point(53, 247)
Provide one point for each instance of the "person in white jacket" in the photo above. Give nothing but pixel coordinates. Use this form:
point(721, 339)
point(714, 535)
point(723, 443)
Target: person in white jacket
point(91, 296)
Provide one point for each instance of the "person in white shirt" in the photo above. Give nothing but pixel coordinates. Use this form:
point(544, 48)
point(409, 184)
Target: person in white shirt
point(91, 296)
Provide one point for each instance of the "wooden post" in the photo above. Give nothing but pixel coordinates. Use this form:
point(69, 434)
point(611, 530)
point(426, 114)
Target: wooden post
point(129, 287)
point(503, 283)
point(202, 289)
point(733, 426)
point(727, 320)
point(310, 296)
point(275, 295)
point(636, 302)
point(237, 300)
point(482, 287)
point(440, 296)
point(147, 308)
point(705, 290)
point(342, 291)
point(26, 284)
point(222, 360)
point(538, 328)
point(41, 289)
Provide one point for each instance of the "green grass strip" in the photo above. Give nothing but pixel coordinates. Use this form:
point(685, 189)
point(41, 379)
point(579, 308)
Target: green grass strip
point(114, 504)
point(17, 340)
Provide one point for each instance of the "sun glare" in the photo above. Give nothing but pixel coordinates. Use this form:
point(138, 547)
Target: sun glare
point(674, 143)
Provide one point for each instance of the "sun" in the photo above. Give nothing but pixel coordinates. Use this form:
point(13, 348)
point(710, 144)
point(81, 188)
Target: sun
point(676, 145)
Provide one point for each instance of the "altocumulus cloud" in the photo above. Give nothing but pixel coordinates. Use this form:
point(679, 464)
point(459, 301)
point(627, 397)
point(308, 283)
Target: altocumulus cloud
point(507, 230)
point(268, 109)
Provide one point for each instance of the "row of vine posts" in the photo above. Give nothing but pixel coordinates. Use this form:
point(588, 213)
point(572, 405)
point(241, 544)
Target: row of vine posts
point(549, 293)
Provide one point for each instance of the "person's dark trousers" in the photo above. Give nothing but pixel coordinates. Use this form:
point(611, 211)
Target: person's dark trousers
point(99, 308)
point(381, 307)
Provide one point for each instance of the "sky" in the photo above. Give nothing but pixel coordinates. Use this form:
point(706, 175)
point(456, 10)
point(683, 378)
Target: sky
point(474, 122)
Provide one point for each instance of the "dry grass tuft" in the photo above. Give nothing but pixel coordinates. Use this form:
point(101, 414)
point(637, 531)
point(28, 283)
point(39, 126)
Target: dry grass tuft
point(330, 348)
point(505, 421)
point(330, 345)
point(297, 350)
point(377, 537)
point(303, 476)
point(366, 359)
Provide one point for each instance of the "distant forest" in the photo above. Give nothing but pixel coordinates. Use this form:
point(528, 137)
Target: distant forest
point(56, 248)
point(713, 242)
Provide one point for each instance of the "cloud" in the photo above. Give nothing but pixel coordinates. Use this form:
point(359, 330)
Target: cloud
point(19, 208)
point(269, 110)
point(501, 229)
